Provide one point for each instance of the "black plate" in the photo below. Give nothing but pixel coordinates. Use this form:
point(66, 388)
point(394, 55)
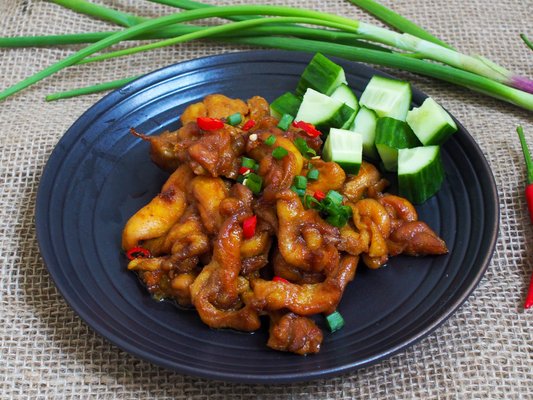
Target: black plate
point(99, 175)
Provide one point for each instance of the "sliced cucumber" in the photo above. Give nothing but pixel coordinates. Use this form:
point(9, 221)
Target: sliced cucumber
point(324, 112)
point(387, 97)
point(431, 123)
point(345, 148)
point(365, 124)
point(420, 173)
point(345, 95)
point(322, 75)
point(286, 104)
point(392, 135)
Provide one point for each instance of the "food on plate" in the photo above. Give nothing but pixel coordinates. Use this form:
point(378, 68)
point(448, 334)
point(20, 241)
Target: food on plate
point(254, 222)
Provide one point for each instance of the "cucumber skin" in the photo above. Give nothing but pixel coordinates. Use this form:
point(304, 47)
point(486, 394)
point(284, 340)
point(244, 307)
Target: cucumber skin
point(420, 186)
point(396, 134)
point(313, 76)
point(342, 118)
point(286, 104)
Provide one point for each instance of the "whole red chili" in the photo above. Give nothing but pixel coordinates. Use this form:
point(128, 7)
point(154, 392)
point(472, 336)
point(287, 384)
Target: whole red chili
point(529, 198)
point(310, 129)
point(209, 124)
point(137, 252)
point(248, 125)
point(278, 279)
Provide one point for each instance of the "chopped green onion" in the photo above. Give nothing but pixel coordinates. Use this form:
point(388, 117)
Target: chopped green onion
point(310, 201)
point(336, 220)
point(248, 162)
point(312, 174)
point(240, 178)
point(234, 119)
point(254, 182)
point(347, 211)
point(300, 182)
point(285, 122)
point(270, 140)
point(306, 151)
point(255, 167)
point(299, 192)
point(279, 152)
point(335, 321)
point(335, 197)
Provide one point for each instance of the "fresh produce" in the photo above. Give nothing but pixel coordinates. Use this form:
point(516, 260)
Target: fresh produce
point(342, 39)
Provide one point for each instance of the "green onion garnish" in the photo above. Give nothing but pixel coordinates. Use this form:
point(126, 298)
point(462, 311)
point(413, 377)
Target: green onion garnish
point(255, 167)
point(240, 178)
point(335, 197)
point(312, 174)
point(299, 192)
point(300, 182)
point(311, 201)
point(270, 140)
point(248, 162)
point(306, 151)
point(335, 321)
point(285, 122)
point(254, 182)
point(234, 119)
point(279, 152)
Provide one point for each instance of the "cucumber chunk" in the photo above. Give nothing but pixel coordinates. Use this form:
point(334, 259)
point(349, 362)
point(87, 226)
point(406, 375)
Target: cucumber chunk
point(392, 135)
point(431, 123)
point(420, 173)
point(365, 124)
point(345, 148)
point(324, 112)
point(322, 75)
point(285, 104)
point(387, 97)
point(345, 95)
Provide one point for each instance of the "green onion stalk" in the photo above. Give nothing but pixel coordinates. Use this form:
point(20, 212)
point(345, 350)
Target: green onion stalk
point(419, 48)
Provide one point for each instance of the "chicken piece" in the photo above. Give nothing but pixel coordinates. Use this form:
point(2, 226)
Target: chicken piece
point(283, 269)
point(415, 238)
point(330, 176)
point(304, 239)
point(181, 287)
point(369, 178)
point(156, 218)
point(220, 106)
point(294, 333)
point(192, 112)
point(399, 209)
point(207, 193)
point(162, 150)
point(258, 107)
point(306, 299)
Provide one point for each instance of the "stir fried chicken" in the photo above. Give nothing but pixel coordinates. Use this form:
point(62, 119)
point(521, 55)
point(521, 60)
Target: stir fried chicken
point(216, 243)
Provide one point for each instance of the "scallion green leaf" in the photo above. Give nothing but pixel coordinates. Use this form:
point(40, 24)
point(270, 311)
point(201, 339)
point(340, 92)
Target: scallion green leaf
point(300, 182)
point(234, 119)
point(312, 174)
point(254, 182)
point(279, 152)
point(270, 140)
point(335, 321)
point(285, 122)
point(247, 162)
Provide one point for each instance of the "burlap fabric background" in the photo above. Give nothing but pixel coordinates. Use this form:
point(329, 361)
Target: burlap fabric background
point(46, 351)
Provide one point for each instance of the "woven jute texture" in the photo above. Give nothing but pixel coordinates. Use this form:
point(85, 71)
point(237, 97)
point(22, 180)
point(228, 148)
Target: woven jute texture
point(47, 351)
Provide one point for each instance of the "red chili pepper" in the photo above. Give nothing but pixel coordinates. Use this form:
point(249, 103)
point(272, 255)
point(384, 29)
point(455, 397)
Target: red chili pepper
point(244, 170)
point(310, 129)
point(248, 125)
point(249, 226)
point(529, 198)
point(209, 124)
point(319, 195)
point(137, 252)
point(278, 279)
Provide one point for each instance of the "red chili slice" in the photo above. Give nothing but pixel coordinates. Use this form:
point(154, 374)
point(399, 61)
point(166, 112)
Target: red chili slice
point(278, 279)
point(310, 129)
point(248, 125)
point(249, 226)
point(209, 124)
point(137, 252)
point(319, 195)
point(244, 170)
